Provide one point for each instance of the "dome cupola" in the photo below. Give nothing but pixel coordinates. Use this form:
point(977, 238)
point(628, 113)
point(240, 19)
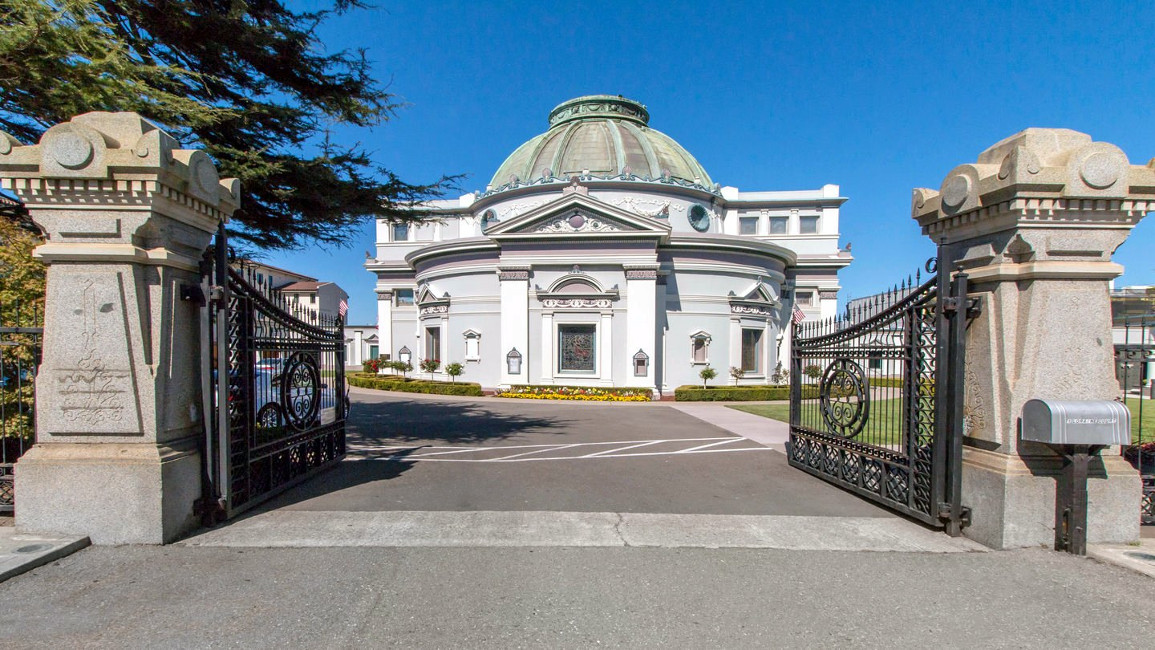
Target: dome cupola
point(600, 137)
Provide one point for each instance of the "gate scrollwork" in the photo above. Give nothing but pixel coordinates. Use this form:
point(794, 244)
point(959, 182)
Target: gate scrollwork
point(845, 397)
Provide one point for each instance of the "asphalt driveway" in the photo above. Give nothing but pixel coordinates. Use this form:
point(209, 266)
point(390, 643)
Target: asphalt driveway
point(414, 453)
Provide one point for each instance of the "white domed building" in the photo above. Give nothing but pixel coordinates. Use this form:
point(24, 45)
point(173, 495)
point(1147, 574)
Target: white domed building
point(603, 254)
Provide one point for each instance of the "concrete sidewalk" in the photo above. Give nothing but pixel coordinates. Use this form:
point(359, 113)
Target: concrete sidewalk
point(23, 552)
point(771, 433)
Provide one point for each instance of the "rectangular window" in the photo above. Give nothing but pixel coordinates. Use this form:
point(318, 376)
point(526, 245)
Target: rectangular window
point(576, 348)
point(373, 351)
point(751, 350)
point(804, 298)
point(875, 361)
point(400, 232)
point(433, 343)
point(748, 225)
point(699, 349)
point(778, 225)
point(472, 348)
point(403, 297)
point(808, 225)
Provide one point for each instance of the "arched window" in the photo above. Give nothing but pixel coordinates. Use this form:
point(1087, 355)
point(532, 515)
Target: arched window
point(700, 348)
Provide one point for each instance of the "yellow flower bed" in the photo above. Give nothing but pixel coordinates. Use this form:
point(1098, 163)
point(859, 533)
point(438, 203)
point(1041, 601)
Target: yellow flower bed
point(578, 393)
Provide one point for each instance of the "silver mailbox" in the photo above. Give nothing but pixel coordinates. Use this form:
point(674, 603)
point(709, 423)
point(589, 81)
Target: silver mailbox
point(1070, 422)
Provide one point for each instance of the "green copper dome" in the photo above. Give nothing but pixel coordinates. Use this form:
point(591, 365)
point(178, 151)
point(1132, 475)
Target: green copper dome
point(606, 136)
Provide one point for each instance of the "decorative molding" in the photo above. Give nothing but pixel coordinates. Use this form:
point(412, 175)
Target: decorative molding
point(641, 274)
point(658, 210)
point(435, 309)
point(752, 310)
point(577, 303)
point(828, 295)
point(578, 221)
point(513, 275)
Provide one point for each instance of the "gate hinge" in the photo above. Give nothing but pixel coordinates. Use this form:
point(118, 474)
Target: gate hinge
point(974, 308)
point(216, 293)
point(964, 514)
point(950, 305)
point(192, 293)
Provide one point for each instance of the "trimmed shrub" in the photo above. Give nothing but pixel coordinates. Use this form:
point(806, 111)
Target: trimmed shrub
point(403, 385)
point(739, 393)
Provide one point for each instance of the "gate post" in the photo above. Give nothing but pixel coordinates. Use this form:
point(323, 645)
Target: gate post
point(127, 216)
point(1034, 223)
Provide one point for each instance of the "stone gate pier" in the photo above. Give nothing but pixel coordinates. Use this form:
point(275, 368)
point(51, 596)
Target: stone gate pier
point(1034, 222)
point(127, 215)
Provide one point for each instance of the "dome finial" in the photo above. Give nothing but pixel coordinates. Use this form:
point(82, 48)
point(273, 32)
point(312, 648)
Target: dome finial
point(611, 106)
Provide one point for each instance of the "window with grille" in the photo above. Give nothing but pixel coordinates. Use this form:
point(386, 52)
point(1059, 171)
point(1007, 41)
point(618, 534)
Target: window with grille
point(576, 347)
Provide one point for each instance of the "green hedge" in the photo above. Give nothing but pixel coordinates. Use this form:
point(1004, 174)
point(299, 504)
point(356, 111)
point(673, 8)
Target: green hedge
point(738, 393)
point(386, 382)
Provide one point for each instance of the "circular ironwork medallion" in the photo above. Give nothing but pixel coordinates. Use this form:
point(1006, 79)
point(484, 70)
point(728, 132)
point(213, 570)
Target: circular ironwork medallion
point(844, 397)
point(301, 390)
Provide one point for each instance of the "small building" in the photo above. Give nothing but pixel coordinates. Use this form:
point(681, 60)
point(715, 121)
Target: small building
point(361, 344)
point(316, 298)
point(1133, 334)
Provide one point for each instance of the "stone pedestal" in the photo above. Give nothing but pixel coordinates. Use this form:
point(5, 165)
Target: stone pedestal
point(1033, 223)
point(127, 216)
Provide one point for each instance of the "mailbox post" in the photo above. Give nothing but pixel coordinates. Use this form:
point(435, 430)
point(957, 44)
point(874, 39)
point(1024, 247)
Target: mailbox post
point(1077, 430)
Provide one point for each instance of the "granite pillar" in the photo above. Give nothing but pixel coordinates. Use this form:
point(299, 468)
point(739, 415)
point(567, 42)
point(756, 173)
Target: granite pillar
point(1034, 223)
point(126, 215)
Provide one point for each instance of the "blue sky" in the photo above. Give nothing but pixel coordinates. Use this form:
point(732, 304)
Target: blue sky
point(875, 97)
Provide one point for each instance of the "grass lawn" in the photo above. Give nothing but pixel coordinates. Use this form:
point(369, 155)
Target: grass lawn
point(886, 416)
point(1147, 422)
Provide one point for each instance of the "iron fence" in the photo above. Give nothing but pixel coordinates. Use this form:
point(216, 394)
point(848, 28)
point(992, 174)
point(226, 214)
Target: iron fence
point(21, 332)
point(1134, 339)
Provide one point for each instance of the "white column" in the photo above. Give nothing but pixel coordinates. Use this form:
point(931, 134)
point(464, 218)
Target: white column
point(515, 321)
point(734, 354)
point(641, 323)
point(606, 369)
point(547, 348)
point(445, 356)
point(385, 324)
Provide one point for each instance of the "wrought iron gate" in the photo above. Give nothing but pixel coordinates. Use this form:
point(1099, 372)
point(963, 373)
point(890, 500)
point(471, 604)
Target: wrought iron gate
point(277, 393)
point(876, 398)
point(21, 333)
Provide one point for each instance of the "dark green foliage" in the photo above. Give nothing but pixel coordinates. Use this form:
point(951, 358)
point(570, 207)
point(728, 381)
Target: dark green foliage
point(376, 382)
point(739, 393)
point(247, 81)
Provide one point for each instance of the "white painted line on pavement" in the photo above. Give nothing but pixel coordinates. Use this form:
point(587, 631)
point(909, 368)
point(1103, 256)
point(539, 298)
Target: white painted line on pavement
point(712, 444)
point(536, 451)
point(511, 459)
point(617, 449)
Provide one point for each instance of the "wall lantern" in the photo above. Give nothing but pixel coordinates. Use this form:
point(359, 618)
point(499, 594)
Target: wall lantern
point(641, 364)
point(513, 362)
point(404, 355)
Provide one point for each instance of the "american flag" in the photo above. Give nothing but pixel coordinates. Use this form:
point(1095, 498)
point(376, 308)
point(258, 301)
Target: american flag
point(343, 308)
point(798, 316)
